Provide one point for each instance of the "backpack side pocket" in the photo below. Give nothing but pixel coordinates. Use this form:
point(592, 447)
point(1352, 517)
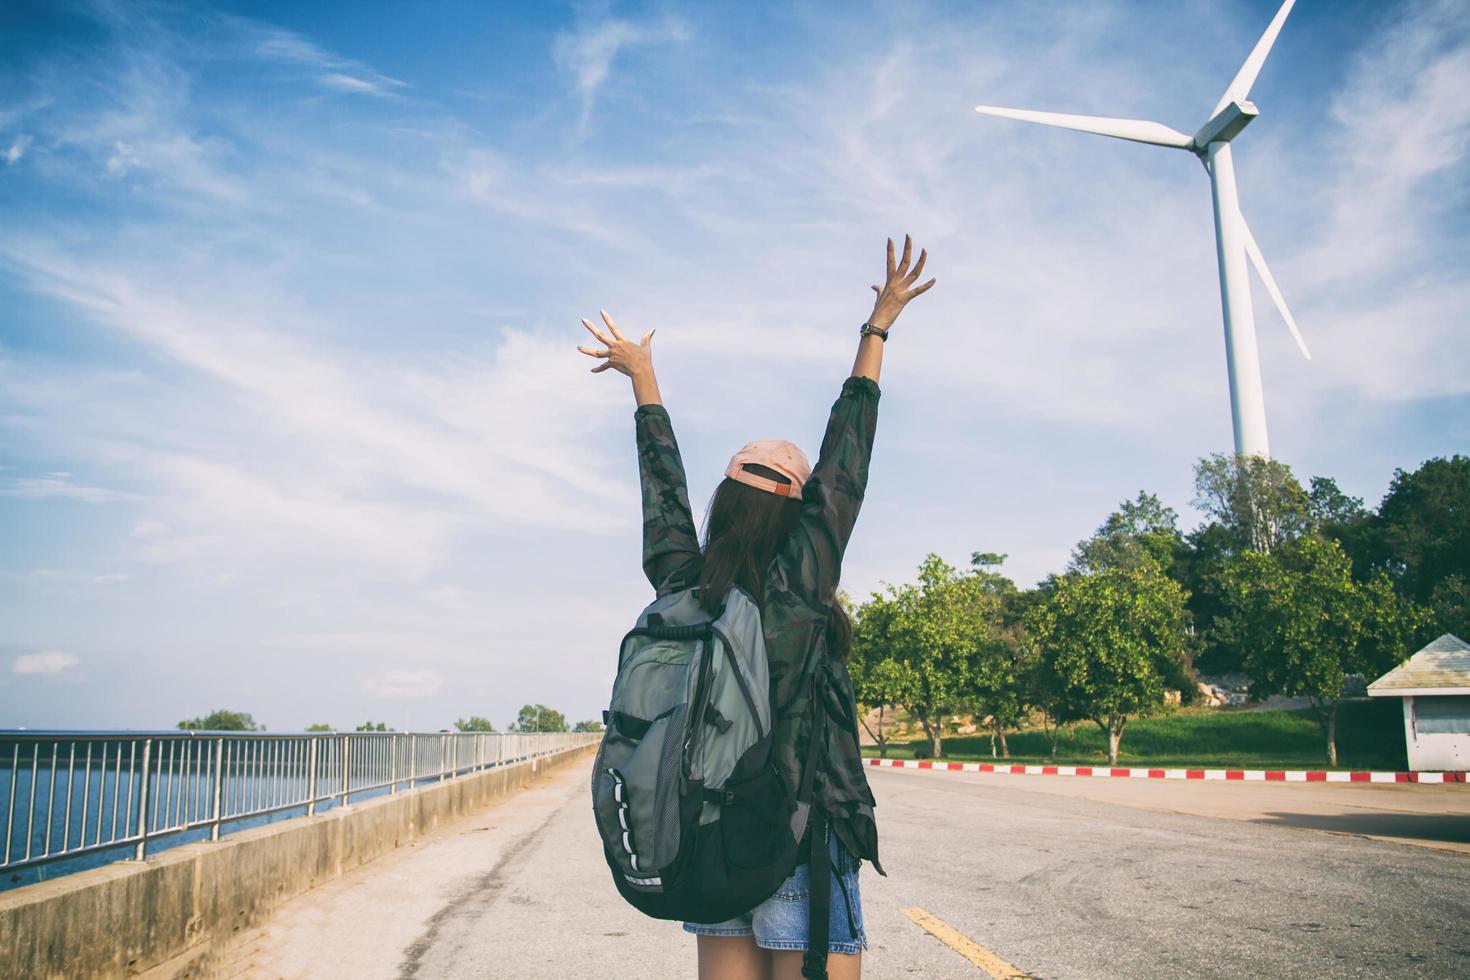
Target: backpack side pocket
point(755, 818)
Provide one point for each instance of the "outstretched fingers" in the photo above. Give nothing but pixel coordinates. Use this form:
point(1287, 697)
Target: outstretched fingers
point(903, 264)
point(918, 268)
point(594, 332)
point(922, 289)
point(607, 319)
point(599, 354)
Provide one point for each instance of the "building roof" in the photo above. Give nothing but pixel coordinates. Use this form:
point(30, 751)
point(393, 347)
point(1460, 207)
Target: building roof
point(1443, 667)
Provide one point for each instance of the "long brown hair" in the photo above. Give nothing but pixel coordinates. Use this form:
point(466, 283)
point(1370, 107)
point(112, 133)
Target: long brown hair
point(744, 528)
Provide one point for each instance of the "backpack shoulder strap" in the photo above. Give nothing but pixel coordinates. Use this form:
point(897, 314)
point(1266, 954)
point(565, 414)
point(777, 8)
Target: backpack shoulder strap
point(809, 766)
point(819, 904)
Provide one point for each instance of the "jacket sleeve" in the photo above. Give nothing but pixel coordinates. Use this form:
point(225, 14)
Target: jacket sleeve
point(810, 563)
point(671, 554)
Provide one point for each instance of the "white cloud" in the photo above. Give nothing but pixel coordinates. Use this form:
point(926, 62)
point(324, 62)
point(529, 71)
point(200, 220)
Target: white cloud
point(535, 197)
point(45, 662)
point(383, 466)
point(403, 684)
point(1384, 274)
point(58, 485)
point(18, 148)
point(351, 83)
point(587, 51)
point(341, 74)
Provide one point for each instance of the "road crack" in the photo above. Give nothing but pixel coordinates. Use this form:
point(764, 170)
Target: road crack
point(473, 900)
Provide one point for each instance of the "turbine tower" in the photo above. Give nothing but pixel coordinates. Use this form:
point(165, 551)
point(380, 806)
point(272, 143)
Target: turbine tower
point(1233, 240)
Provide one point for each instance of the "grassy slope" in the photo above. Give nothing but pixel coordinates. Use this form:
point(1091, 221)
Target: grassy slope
point(1370, 735)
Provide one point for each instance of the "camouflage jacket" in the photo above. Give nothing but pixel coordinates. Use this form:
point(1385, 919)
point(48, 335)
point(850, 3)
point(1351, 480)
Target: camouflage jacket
point(800, 588)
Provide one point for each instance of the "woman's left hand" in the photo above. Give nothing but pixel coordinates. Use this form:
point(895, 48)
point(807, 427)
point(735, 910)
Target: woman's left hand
point(626, 357)
point(898, 288)
point(620, 353)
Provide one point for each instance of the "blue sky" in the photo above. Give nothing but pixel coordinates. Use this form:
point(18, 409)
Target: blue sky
point(291, 417)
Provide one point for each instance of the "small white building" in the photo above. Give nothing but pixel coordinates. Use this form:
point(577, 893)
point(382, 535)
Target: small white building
point(1435, 686)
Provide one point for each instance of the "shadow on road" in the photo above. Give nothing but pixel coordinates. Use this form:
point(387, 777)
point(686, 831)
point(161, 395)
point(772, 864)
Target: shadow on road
point(1445, 828)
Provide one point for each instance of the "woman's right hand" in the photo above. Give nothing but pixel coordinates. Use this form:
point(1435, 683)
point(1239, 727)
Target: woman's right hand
point(895, 292)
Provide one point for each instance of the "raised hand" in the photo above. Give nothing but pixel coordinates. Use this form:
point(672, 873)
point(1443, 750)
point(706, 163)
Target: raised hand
point(626, 357)
point(619, 353)
point(896, 291)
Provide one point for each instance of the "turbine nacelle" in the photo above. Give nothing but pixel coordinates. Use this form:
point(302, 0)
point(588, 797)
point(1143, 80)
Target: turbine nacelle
point(1226, 125)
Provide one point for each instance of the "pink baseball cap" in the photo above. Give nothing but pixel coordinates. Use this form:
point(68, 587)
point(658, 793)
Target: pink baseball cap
point(777, 454)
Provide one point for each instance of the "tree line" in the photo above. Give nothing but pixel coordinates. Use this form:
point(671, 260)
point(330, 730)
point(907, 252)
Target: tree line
point(531, 718)
point(1300, 588)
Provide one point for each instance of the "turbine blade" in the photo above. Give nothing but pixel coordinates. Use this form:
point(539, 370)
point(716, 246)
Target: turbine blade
point(1259, 261)
point(1240, 86)
point(1136, 130)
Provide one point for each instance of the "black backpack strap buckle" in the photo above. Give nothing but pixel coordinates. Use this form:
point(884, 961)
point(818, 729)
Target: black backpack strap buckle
point(713, 716)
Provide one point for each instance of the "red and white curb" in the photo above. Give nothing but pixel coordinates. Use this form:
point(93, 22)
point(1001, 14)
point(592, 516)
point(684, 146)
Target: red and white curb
point(1246, 775)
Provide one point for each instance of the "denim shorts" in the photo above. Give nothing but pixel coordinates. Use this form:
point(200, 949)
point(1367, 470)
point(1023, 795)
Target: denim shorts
point(780, 922)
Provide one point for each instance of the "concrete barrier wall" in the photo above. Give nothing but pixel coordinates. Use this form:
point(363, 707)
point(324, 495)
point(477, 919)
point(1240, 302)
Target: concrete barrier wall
point(168, 916)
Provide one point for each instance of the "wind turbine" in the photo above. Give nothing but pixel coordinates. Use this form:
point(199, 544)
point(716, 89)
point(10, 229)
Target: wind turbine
point(1233, 240)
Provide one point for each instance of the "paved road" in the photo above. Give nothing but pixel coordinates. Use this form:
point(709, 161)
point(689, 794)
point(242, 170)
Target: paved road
point(1063, 878)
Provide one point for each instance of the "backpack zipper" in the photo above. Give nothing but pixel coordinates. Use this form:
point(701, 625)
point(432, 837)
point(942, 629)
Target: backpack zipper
point(740, 680)
point(695, 722)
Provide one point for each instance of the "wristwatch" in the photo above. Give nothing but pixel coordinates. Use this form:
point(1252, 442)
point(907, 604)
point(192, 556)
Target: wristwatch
point(869, 328)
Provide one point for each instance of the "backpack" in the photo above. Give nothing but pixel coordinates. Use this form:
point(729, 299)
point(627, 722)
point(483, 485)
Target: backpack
point(696, 822)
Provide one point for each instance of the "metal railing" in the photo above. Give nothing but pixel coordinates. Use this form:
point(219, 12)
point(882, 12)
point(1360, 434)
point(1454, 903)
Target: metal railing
point(69, 794)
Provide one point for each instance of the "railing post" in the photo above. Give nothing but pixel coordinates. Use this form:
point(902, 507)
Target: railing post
point(346, 767)
point(413, 761)
point(311, 777)
point(140, 851)
point(219, 780)
point(393, 765)
point(443, 755)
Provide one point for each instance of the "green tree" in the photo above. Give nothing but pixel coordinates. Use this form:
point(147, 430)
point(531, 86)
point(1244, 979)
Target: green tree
point(1198, 569)
point(222, 721)
point(591, 725)
point(1045, 691)
point(1254, 498)
point(1142, 529)
point(1343, 518)
point(1307, 626)
point(879, 679)
point(320, 727)
point(539, 718)
point(474, 723)
point(999, 669)
point(1421, 535)
point(935, 633)
point(1113, 642)
point(1330, 510)
point(371, 726)
point(1449, 604)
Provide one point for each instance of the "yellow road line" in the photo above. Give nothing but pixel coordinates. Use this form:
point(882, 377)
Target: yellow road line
point(962, 944)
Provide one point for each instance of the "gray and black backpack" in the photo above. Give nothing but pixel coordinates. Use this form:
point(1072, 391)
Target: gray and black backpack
point(696, 823)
